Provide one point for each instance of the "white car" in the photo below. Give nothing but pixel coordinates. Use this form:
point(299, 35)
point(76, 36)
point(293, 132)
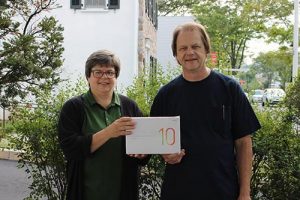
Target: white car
point(273, 95)
point(257, 96)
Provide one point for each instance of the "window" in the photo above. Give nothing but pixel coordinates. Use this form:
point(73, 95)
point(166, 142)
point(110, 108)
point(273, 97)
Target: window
point(94, 3)
point(104, 4)
point(151, 11)
point(153, 67)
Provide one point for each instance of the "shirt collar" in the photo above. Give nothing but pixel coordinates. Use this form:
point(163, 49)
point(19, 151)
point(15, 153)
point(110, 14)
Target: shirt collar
point(91, 100)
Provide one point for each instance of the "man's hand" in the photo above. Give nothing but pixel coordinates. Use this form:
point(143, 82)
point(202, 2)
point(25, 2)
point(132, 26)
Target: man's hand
point(139, 156)
point(174, 158)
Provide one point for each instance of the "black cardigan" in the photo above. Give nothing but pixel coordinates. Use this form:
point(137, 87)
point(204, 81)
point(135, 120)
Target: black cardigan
point(76, 147)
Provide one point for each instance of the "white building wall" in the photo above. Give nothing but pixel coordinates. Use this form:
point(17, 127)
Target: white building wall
point(166, 26)
point(89, 30)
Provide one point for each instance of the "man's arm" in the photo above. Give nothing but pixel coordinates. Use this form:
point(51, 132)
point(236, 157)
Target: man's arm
point(243, 147)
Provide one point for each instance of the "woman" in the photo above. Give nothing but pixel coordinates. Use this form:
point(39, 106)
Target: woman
point(92, 127)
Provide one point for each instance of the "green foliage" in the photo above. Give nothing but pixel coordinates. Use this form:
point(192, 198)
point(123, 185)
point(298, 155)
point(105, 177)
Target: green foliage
point(31, 50)
point(231, 24)
point(281, 35)
point(276, 167)
point(150, 181)
point(274, 66)
point(293, 97)
point(34, 135)
point(251, 81)
point(143, 91)
point(3, 6)
point(146, 85)
point(175, 7)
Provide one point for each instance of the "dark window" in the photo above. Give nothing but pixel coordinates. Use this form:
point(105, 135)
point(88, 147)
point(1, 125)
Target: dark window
point(151, 11)
point(153, 67)
point(114, 4)
point(76, 4)
point(154, 20)
point(146, 6)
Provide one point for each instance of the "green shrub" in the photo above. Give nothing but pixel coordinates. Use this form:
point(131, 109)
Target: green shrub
point(292, 101)
point(276, 166)
point(34, 134)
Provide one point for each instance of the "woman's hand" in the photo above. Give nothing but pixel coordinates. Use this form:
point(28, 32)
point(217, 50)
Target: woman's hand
point(120, 127)
point(174, 158)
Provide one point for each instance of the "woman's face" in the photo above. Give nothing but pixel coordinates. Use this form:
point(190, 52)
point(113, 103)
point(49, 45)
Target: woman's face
point(102, 79)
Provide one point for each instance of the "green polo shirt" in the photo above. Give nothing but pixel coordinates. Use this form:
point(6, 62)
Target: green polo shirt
point(103, 169)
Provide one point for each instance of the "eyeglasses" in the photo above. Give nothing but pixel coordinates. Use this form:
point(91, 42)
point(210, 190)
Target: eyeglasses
point(99, 74)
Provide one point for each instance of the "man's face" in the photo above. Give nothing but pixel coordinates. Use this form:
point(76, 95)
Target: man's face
point(191, 53)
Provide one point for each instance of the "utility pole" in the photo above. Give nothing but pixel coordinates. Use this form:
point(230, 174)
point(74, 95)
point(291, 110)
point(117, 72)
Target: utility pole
point(295, 41)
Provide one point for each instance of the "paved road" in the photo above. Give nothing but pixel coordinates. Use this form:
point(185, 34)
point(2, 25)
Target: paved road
point(13, 181)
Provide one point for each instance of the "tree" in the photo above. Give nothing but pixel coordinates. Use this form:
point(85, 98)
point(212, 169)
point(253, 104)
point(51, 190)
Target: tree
point(31, 48)
point(231, 24)
point(274, 66)
point(33, 133)
point(146, 85)
point(175, 7)
point(251, 82)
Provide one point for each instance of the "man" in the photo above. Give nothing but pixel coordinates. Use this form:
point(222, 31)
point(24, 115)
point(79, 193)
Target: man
point(216, 125)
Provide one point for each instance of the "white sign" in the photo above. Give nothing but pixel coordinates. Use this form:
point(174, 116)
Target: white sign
point(154, 135)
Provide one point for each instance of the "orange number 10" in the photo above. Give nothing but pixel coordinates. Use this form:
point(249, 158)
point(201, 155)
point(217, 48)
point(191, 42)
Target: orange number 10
point(167, 136)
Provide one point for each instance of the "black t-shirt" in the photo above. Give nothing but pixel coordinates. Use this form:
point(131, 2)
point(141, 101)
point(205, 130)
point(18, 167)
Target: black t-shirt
point(213, 113)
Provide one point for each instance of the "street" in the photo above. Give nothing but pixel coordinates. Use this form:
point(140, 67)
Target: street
point(13, 181)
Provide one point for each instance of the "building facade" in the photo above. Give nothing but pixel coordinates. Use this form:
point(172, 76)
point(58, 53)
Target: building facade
point(128, 28)
point(167, 24)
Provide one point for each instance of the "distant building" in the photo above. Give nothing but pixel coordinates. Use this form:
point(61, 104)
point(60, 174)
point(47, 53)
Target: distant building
point(127, 28)
point(167, 24)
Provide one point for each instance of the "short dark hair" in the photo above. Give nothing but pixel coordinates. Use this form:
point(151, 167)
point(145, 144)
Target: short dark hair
point(191, 26)
point(102, 57)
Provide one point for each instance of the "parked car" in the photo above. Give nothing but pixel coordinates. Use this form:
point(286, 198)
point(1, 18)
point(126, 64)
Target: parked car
point(273, 95)
point(257, 96)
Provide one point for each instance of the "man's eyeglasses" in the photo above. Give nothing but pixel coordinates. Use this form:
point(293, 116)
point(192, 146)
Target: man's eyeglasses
point(99, 74)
